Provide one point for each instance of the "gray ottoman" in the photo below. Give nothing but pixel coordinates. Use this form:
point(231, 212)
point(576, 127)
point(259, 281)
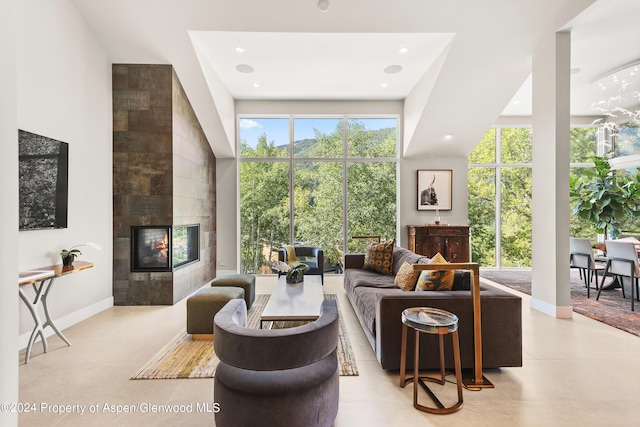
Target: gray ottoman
point(203, 306)
point(244, 281)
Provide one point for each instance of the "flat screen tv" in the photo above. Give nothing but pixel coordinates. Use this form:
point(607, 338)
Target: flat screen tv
point(43, 181)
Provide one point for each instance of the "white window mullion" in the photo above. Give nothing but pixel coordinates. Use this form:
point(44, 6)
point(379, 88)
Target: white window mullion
point(345, 185)
point(291, 184)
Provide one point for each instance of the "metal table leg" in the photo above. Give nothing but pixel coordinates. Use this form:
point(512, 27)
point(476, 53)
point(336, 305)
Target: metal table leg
point(41, 289)
point(49, 321)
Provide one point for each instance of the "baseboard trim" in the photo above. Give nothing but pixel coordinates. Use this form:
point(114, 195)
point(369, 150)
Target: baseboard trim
point(70, 320)
point(558, 312)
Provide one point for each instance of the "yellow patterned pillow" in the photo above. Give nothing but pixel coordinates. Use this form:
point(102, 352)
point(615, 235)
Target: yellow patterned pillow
point(436, 280)
point(406, 277)
point(379, 257)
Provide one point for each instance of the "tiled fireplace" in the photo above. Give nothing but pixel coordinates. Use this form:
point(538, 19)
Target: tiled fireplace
point(163, 177)
point(164, 248)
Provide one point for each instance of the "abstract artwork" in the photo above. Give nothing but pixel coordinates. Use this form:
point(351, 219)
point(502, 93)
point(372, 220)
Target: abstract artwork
point(43, 181)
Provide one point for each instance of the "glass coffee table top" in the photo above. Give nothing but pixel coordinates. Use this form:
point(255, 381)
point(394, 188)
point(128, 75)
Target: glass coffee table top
point(429, 320)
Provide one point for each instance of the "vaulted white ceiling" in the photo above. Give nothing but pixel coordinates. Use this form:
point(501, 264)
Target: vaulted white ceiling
point(466, 62)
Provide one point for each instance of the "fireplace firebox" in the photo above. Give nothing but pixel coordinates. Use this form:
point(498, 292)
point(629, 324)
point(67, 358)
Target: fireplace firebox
point(156, 248)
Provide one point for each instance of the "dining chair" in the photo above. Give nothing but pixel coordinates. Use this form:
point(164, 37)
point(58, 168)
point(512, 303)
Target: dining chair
point(582, 257)
point(622, 261)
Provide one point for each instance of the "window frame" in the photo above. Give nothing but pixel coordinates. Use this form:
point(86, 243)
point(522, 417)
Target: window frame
point(344, 159)
point(499, 165)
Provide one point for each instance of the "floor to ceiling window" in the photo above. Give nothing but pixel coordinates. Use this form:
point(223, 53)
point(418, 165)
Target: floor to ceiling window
point(500, 191)
point(315, 181)
point(583, 148)
point(500, 198)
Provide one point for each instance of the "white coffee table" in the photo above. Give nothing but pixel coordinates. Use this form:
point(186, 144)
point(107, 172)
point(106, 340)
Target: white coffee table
point(294, 301)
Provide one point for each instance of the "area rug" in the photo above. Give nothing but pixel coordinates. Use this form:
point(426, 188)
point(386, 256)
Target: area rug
point(185, 358)
point(610, 309)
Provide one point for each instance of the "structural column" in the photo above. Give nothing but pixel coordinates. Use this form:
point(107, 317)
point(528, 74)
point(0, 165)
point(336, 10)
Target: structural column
point(551, 94)
point(8, 211)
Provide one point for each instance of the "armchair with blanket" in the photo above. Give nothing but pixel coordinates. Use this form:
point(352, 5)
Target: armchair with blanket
point(311, 256)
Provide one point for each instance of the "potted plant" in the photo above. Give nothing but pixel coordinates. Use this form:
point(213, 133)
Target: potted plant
point(293, 273)
point(296, 274)
point(601, 197)
point(69, 255)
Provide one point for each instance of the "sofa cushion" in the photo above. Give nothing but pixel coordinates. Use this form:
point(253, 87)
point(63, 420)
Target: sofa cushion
point(436, 280)
point(406, 277)
point(365, 300)
point(402, 255)
point(379, 257)
point(355, 277)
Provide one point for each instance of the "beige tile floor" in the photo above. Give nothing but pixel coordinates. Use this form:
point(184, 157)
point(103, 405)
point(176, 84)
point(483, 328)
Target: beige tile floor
point(576, 372)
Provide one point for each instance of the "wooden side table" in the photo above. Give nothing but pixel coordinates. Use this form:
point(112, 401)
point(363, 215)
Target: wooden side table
point(42, 279)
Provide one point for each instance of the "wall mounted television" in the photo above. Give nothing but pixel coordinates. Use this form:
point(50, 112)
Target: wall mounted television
point(43, 181)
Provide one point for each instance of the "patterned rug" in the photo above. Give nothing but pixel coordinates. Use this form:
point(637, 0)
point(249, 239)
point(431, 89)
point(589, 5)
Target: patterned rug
point(610, 309)
point(185, 358)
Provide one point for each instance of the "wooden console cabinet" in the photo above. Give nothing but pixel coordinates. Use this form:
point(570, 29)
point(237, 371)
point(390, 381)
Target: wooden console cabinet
point(452, 241)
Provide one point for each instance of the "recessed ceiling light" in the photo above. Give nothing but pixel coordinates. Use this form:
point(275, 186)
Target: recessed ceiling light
point(448, 137)
point(393, 69)
point(403, 50)
point(245, 68)
point(323, 5)
point(384, 85)
point(240, 49)
point(256, 85)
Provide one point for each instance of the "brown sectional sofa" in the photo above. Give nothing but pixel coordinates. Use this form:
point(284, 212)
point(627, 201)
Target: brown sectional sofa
point(378, 304)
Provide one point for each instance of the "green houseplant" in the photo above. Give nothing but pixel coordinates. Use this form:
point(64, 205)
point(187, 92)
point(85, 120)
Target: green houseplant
point(296, 274)
point(603, 198)
point(69, 255)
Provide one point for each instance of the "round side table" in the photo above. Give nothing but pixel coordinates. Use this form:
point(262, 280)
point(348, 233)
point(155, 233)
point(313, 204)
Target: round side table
point(437, 322)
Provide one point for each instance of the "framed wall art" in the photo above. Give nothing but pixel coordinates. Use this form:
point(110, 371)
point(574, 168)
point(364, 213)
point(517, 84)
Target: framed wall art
point(434, 189)
point(43, 181)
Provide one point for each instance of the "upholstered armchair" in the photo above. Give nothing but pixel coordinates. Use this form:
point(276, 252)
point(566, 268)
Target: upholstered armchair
point(309, 255)
point(276, 377)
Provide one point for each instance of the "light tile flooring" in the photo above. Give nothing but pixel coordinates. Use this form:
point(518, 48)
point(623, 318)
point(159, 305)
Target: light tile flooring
point(576, 372)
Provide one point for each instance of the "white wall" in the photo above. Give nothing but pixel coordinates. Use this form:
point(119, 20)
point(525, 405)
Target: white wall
point(409, 213)
point(227, 216)
point(64, 92)
point(8, 213)
point(227, 175)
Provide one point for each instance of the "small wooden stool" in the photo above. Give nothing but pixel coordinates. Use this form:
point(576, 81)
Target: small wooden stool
point(203, 306)
point(244, 281)
point(437, 322)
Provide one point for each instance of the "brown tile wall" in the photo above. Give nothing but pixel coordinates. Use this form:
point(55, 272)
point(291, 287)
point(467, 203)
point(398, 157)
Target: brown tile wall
point(194, 191)
point(163, 174)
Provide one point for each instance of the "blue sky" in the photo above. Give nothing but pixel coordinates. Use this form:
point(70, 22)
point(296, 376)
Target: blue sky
point(277, 129)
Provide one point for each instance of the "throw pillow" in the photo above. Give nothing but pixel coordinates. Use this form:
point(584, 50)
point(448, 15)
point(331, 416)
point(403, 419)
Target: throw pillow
point(379, 257)
point(406, 277)
point(436, 280)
